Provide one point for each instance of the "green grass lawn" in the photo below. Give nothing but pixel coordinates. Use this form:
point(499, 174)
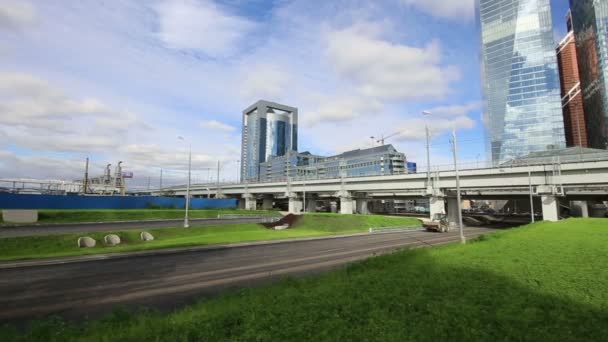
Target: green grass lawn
point(107, 215)
point(32, 247)
point(544, 282)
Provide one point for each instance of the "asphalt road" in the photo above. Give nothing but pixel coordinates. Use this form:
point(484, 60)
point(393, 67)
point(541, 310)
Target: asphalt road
point(52, 229)
point(90, 289)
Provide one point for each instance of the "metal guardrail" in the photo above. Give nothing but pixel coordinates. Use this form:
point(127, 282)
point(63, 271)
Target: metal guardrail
point(393, 229)
point(266, 218)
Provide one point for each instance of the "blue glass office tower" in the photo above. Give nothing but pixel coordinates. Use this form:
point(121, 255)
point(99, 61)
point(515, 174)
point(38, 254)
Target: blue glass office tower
point(522, 102)
point(590, 26)
point(269, 130)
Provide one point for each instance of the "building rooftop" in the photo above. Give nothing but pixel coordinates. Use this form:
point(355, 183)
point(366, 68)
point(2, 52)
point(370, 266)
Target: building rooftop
point(373, 150)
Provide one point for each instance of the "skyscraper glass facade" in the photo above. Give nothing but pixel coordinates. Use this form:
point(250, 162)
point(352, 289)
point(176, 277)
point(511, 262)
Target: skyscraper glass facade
point(590, 26)
point(522, 102)
point(269, 130)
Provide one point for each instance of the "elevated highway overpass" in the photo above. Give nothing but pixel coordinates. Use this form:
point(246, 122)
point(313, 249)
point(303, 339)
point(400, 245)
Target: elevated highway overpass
point(587, 180)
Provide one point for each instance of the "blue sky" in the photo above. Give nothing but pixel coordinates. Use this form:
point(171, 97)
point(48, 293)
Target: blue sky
point(120, 80)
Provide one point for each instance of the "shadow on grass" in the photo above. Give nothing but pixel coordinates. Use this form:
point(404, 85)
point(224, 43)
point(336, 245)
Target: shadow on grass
point(405, 296)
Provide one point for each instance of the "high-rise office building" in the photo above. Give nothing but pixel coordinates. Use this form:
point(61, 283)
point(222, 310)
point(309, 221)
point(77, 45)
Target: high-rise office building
point(269, 130)
point(522, 103)
point(590, 25)
point(572, 97)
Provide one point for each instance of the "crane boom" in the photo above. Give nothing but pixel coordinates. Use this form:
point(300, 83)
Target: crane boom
point(381, 140)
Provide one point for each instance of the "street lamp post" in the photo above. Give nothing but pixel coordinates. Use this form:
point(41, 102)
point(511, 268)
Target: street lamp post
point(428, 153)
point(186, 223)
point(455, 152)
point(531, 198)
point(238, 171)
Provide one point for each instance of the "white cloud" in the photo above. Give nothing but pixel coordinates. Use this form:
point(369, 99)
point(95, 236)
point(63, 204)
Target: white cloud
point(451, 9)
point(455, 110)
point(16, 14)
point(413, 129)
point(36, 114)
point(263, 81)
point(332, 109)
point(216, 125)
point(200, 25)
point(386, 70)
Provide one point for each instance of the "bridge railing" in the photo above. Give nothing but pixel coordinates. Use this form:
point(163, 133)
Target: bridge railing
point(393, 229)
point(462, 165)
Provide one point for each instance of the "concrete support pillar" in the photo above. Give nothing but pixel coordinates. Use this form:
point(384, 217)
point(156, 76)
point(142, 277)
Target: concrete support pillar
point(362, 206)
point(580, 209)
point(347, 205)
point(452, 214)
point(436, 206)
point(241, 203)
point(267, 202)
point(311, 204)
point(295, 205)
point(550, 204)
point(250, 203)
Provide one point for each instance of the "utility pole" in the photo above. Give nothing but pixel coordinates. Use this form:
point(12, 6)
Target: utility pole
point(161, 180)
point(238, 171)
point(186, 222)
point(186, 218)
point(86, 177)
point(531, 199)
point(428, 153)
point(455, 152)
point(217, 195)
point(148, 182)
point(304, 195)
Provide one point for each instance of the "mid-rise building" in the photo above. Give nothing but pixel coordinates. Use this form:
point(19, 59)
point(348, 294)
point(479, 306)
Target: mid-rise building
point(572, 97)
point(590, 26)
point(522, 102)
point(376, 161)
point(269, 130)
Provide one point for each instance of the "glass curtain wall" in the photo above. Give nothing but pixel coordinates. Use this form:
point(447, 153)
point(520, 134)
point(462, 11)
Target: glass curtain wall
point(522, 103)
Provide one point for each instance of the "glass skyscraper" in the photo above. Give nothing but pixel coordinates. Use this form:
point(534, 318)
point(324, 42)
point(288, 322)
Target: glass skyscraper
point(269, 130)
point(522, 102)
point(590, 26)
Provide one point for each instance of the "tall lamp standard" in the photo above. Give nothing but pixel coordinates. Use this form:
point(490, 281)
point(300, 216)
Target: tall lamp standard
point(186, 223)
point(426, 113)
point(238, 171)
point(458, 204)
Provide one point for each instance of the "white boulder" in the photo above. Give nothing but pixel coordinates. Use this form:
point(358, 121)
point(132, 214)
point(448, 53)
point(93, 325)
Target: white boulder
point(112, 239)
point(145, 236)
point(86, 242)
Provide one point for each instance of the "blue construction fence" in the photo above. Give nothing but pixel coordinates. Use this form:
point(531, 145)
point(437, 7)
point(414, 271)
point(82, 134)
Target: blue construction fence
point(28, 201)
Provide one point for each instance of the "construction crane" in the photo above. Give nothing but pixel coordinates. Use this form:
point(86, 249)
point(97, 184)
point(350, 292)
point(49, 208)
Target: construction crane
point(383, 138)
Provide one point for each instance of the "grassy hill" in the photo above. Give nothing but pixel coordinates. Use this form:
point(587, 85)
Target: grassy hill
point(543, 282)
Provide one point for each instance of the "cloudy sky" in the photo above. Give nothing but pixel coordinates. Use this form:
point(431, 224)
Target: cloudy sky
point(120, 80)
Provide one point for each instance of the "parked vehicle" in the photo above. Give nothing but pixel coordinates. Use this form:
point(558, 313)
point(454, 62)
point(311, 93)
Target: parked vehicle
point(439, 223)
